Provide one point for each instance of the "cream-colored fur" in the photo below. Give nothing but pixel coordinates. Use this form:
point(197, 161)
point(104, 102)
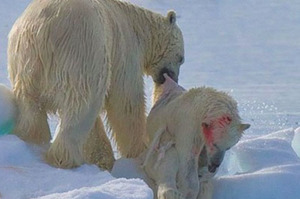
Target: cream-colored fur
point(78, 58)
point(180, 159)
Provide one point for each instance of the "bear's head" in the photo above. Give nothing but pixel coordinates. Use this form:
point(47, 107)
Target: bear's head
point(221, 133)
point(167, 50)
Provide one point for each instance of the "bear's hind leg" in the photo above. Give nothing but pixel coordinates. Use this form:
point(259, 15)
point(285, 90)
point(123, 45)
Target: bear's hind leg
point(97, 150)
point(71, 134)
point(32, 125)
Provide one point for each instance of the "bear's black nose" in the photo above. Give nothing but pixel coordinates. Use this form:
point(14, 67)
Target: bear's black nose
point(213, 167)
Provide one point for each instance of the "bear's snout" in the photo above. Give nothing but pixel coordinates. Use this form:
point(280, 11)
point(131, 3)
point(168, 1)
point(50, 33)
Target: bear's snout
point(215, 161)
point(161, 79)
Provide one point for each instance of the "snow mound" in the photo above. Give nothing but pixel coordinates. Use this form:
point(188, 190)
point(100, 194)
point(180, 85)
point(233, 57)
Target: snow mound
point(114, 189)
point(23, 174)
point(261, 152)
point(275, 182)
point(262, 167)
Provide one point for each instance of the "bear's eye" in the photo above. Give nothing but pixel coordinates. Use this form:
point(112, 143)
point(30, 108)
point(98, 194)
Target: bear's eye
point(181, 60)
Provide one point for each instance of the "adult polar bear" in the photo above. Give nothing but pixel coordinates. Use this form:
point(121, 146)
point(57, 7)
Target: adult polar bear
point(80, 57)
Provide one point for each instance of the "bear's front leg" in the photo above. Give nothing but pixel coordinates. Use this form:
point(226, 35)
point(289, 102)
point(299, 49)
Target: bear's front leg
point(65, 151)
point(125, 106)
point(188, 178)
point(97, 149)
point(188, 145)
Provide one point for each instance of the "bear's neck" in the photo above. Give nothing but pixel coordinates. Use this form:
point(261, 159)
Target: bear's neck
point(146, 25)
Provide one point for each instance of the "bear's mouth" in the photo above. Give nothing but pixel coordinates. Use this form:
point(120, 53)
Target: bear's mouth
point(212, 168)
point(215, 161)
point(161, 79)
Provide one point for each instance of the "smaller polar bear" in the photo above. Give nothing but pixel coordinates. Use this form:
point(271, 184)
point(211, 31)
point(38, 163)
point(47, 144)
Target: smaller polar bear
point(189, 132)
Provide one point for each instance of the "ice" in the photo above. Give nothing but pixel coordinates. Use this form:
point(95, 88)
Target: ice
point(296, 142)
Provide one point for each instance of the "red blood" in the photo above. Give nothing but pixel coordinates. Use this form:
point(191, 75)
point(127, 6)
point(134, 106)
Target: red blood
point(223, 121)
point(207, 130)
point(219, 124)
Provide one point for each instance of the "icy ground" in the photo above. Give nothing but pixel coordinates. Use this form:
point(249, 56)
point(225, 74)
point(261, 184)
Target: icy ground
point(249, 48)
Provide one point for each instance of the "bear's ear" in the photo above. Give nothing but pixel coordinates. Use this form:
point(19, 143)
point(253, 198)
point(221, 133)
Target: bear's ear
point(244, 127)
point(171, 17)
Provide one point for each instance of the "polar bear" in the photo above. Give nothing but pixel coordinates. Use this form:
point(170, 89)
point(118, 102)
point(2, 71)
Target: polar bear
point(189, 132)
point(79, 58)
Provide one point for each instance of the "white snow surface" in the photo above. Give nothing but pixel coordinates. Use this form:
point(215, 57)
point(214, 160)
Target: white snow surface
point(249, 48)
point(23, 174)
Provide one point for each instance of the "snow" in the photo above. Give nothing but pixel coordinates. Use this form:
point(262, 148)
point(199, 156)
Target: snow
point(114, 189)
point(261, 167)
point(296, 141)
point(21, 166)
point(248, 48)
